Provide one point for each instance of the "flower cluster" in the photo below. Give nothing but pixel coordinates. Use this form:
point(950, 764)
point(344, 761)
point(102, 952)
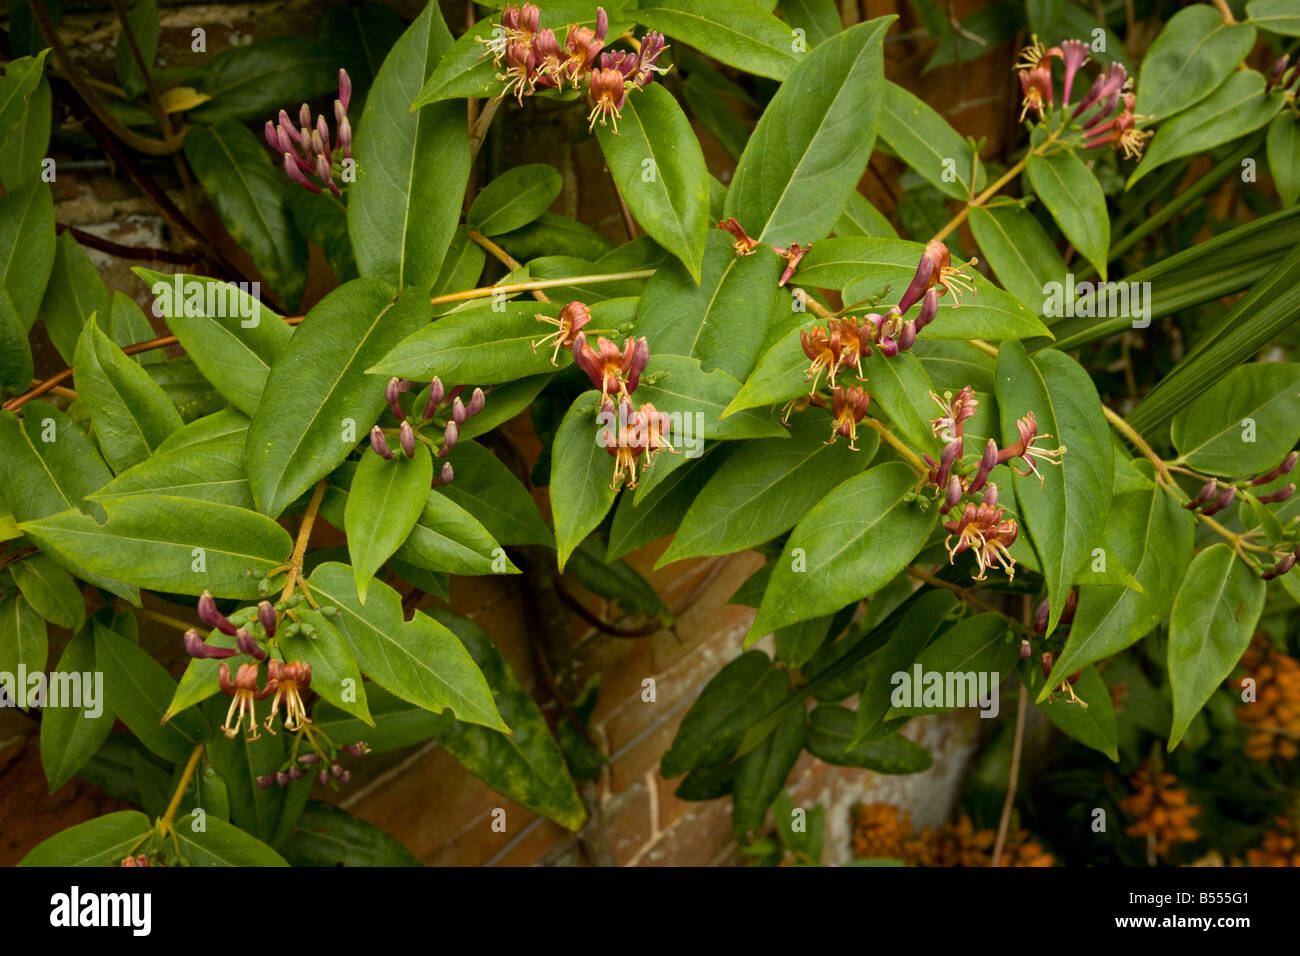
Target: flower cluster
point(1159, 810)
point(457, 413)
point(1272, 717)
point(307, 149)
point(982, 527)
point(533, 59)
point(1096, 112)
point(632, 435)
point(574, 317)
point(884, 830)
point(1215, 495)
point(285, 681)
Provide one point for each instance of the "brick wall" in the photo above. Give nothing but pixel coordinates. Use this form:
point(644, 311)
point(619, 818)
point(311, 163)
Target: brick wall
point(421, 795)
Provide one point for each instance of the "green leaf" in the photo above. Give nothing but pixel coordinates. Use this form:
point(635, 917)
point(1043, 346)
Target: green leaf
point(17, 84)
point(1017, 247)
point(481, 345)
point(812, 144)
point(463, 70)
point(23, 154)
point(384, 503)
point(71, 735)
point(247, 192)
point(761, 773)
point(103, 841)
point(1244, 424)
point(1065, 512)
point(240, 761)
point(203, 460)
point(334, 673)
point(223, 844)
point(445, 537)
point(26, 258)
point(1284, 155)
point(164, 543)
point(319, 400)
point(24, 641)
point(660, 512)
point(514, 199)
point(252, 82)
point(765, 488)
point(678, 386)
point(51, 591)
point(1194, 53)
point(139, 691)
point(902, 387)
point(796, 644)
point(328, 836)
point(1152, 534)
point(976, 645)
point(735, 32)
point(720, 319)
point(412, 167)
point(1238, 107)
point(1275, 16)
point(74, 294)
point(659, 170)
point(230, 335)
point(489, 491)
point(581, 469)
point(860, 218)
point(323, 219)
point(852, 542)
point(50, 465)
point(131, 413)
point(525, 765)
point(819, 19)
point(201, 677)
point(398, 723)
point(928, 144)
point(418, 660)
point(830, 735)
point(738, 695)
point(1075, 199)
point(1094, 725)
point(143, 20)
point(1210, 626)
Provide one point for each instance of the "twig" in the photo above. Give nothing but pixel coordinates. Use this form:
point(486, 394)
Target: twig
point(304, 535)
point(1013, 777)
point(190, 766)
point(533, 284)
point(141, 253)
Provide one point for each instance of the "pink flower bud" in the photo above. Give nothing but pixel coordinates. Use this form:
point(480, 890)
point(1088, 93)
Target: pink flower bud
point(213, 618)
point(1282, 494)
point(952, 496)
point(291, 169)
point(248, 646)
point(321, 139)
point(407, 434)
point(458, 413)
point(195, 646)
point(444, 477)
point(345, 88)
point(394, 389)
point(449, 437)
point(476, 403)
point(380, 446)
point(602, 23)
point(436, 393)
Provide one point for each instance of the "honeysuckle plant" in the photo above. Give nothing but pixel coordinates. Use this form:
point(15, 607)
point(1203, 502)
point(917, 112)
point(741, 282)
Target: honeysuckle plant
point(1061, 457)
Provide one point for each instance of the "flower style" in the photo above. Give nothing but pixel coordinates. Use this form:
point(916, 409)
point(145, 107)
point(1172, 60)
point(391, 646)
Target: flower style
point(243, 690)
point(631, 433)
point(573, 318)
point(950, 425)
point(288, 681)
point(1026, 449)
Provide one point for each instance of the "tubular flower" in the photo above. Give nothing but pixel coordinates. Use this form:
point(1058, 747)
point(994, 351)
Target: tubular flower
point(573, 318)
point(1025, 449)
point(855, 341)
point(243, 690)
point(517, 25)
point(196, 647)
point(607, 96)
point(1074, 54)
point(612, 371)
point(1036, 85)
point(791, 257)
point(306, 150)
point(849, 406)
point(983, 529)
point(631, 433)
point(288, 681)
point(581, 47)
point(551, 62)
point(744, 245)
point(950, 425)
point(521, 64)
point(936, 270)
point(1114, 81)
point(824, 350)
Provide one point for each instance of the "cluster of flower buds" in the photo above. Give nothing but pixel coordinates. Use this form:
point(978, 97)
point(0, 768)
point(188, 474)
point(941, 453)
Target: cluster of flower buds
point(458, 412)
point(307, 149)
point(982, 526)
point(1291, 83)
point(315, 761)
point(746, 246)
point(1214, 496)
point(1041, 616)
point(574, 317)
point(534, 59)
point(138, 860)
point(1096, 112)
